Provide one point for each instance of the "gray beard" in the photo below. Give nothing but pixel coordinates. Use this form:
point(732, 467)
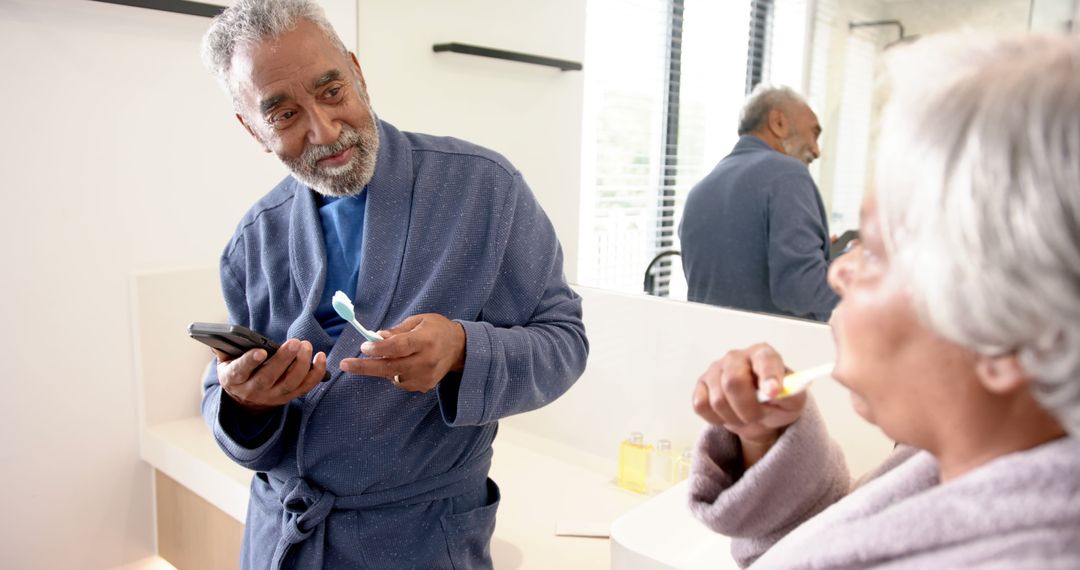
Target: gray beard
point(347, 180)
point(791, 149)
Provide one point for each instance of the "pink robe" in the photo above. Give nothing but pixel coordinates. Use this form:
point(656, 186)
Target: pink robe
point(793, 509)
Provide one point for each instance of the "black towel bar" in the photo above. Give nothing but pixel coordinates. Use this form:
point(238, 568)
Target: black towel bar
point(178, 6)
point(509, 55)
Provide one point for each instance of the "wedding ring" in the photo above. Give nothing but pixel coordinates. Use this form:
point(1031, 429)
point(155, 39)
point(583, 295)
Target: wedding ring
point(397, 379)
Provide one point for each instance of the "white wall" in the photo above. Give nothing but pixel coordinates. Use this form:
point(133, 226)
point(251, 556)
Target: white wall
point(120, 155)
point(849, 110)
point(923, 17)
point(1055, 15)
point(529, 113)
point(647, 353)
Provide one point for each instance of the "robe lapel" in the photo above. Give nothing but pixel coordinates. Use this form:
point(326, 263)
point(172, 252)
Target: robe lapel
point(307, 258)
point(386, 226)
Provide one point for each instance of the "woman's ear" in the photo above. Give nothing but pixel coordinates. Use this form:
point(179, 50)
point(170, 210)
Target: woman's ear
point(1001, 374)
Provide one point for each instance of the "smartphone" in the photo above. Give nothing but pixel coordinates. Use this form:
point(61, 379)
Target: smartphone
point(234, 340)
point(841, 244)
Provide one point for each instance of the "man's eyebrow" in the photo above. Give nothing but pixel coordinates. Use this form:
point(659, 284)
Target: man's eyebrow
point(270, 102)
point(332, 75)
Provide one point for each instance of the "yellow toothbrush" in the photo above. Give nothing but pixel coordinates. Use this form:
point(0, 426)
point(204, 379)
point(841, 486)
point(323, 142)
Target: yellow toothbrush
point(796, 382)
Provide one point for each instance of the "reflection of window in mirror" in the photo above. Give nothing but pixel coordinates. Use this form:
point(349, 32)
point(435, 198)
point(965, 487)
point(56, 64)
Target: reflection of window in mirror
point(845, 59)
point(665, 80)
point(656, 119)
point(665, 84)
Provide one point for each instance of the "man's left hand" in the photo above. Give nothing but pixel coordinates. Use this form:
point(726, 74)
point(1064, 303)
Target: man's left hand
point(415, 354)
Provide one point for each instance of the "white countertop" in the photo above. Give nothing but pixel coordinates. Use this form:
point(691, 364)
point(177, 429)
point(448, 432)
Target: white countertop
point(662, 534)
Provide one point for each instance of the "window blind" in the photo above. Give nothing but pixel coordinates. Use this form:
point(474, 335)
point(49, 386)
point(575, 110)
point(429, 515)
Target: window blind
point(663, 88)
point(758, 44)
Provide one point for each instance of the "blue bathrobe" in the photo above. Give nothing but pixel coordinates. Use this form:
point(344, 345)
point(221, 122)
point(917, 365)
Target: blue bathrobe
point(755, 236)
point(360, 474)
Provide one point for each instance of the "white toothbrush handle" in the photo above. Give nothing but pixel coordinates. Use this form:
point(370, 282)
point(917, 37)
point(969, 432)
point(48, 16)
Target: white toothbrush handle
point(372, 336)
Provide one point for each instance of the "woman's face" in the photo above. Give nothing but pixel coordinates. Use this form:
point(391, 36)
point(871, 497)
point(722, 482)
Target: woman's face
point(902, 376)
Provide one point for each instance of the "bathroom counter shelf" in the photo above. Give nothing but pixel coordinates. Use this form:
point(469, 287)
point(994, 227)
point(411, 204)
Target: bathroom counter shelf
point(544, 484)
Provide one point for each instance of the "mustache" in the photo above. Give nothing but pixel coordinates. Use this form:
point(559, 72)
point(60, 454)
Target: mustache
point(316, 152)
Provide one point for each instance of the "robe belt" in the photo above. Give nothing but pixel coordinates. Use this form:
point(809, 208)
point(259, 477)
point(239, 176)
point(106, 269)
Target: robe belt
point(306, 507)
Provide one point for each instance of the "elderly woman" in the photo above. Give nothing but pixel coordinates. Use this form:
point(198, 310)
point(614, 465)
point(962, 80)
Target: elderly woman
point(958, 334)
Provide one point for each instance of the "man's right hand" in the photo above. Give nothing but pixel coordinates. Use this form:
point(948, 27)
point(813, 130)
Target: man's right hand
point(289, 374)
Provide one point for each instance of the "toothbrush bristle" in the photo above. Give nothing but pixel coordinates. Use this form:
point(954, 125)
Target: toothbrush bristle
point(343, 305)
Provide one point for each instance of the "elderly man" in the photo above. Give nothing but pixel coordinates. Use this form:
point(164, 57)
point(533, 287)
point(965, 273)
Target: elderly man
point(436, 240)
point(754, 234)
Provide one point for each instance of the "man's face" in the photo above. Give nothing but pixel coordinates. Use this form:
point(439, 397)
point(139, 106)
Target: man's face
point(803, 132)
point(305, 100)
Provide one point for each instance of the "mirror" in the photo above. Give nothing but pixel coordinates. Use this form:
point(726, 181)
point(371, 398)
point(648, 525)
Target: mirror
point(861, 31)
point(828, 50)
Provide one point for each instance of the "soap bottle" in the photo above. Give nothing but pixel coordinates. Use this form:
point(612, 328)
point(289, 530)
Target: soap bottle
point(681, 470)
point(634, 463)
point(661, 466)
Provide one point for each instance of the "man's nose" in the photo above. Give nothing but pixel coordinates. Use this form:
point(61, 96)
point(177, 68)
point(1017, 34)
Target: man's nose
point(323, 129)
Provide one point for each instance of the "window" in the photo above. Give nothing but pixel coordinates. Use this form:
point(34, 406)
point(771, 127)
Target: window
point(664, 83)
point(844, 169)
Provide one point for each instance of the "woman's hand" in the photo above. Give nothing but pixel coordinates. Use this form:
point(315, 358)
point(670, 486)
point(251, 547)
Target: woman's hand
point(726, 395)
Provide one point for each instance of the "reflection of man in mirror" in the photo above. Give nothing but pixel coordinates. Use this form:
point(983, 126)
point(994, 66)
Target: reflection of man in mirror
point(754, 234)
point(437, 241)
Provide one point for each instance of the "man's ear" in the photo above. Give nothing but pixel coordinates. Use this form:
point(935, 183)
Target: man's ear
point(778, 124)
point(252, 133)
point(1001, 374)
point(359, 72)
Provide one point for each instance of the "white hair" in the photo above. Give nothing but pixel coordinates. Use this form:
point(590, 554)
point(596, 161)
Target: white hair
point(978, 186)
point(248, 22)
point(764, 98)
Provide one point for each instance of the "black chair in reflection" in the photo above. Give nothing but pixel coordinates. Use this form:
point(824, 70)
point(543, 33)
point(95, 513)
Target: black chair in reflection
point(658, 274)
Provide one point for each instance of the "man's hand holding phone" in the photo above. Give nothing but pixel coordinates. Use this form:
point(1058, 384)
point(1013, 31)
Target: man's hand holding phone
point(259, 384)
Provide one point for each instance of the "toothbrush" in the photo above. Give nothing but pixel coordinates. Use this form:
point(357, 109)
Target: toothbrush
point(797, 382)
point(344, 308)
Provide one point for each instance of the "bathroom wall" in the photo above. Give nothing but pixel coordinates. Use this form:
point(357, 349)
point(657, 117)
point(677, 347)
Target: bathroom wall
point(647, 353)
point(529, 113)
point(119, 154)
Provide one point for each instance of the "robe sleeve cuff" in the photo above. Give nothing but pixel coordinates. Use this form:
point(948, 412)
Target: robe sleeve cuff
point(785, 487)
point(462, 400)
point(233, 439)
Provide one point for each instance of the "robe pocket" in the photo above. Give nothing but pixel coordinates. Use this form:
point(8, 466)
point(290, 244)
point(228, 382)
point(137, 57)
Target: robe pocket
point(468, 534)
